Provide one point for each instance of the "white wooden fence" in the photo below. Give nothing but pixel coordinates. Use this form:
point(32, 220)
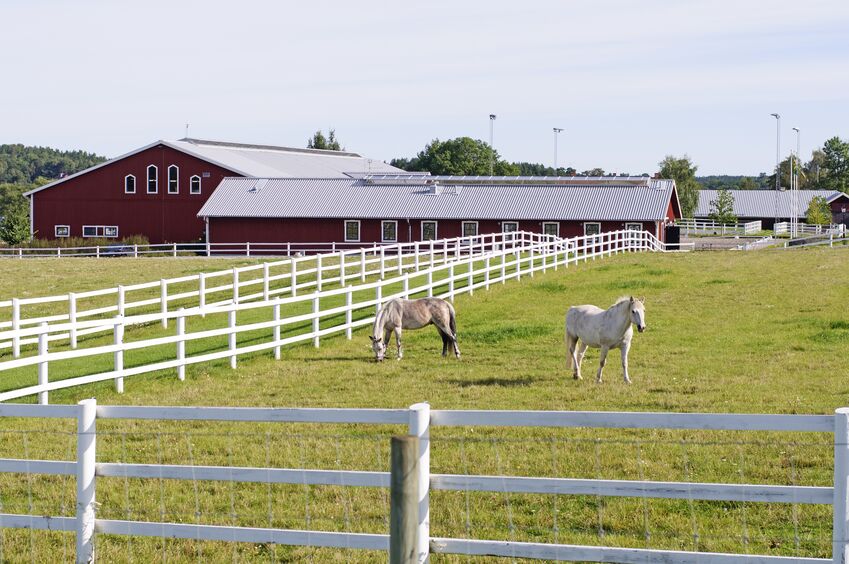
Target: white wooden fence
point(445, 276)
point(783, 227)
point(710, 227)
point(419, 420)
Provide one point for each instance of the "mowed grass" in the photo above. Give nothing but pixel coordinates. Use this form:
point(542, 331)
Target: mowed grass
point(758, 332)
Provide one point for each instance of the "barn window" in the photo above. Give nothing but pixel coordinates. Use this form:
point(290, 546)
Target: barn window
point(152, 179)
point(352, 231)
point(633, 226)
point(551, 228)
point(592, 228)
point(173, 179)
point(429, 230)
point(110, 231)
point(129, 184)
point(62, 230)
point(194, 184)
point(509, 227)
point(89, 231)
point(389, 231)
point(470, 228)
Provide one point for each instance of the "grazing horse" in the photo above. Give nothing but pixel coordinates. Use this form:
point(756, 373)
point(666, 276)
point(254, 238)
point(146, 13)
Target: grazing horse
point(603, 329)
point(400, 314)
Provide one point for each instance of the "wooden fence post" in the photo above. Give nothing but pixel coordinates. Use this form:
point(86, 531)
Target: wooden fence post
point(86, 448)
point(319, 279)
point(265, 281)
point(407, 286)
point(16, 325)
point(503, 266)
point(248, 248)
point(416, 256)
point(471, 280)
point(122, 300)
point(181, 345)
point(486, 273)
point(293, 284)
point(362, 265)
point(174, 250)
point(235, 285)
point(430, 283)
point(118, 356)
point(382, 262)
point(349, 314)
point(378, 291)
point(42, 366)
point(72, 318)
point(315, 320)
point(342, 268)
point(533, 259)
point(840, 532)
point(404, 500)
point(451, 282)
point(163, 300)
point(400, 259)
point(202, 293)
point(517, 253)
point(276, 331)
point(231, 338)
point(419, 426)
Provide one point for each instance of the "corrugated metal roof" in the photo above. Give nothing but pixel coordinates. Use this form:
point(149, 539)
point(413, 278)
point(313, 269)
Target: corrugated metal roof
point(353, 198)
point(761, 203)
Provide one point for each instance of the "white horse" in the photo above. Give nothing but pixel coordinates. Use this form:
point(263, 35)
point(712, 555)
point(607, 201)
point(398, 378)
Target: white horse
point(399, 314)
point(603, 329)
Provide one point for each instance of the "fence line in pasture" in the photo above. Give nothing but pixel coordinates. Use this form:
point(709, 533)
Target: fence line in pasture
point(531, 253)
point(709, 226)
point(783, 227)
point(419, 419)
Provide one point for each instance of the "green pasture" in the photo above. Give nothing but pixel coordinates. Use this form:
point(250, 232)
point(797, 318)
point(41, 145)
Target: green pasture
point(761, 332)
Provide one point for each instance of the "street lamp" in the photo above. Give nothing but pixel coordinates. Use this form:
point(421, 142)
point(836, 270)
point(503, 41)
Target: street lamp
point(556, 131)
point(794, 189)
point(777, 162)
point(491, 142)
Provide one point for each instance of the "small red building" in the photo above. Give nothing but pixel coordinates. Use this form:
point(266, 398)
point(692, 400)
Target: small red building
point(157, 190)
point(403, 208)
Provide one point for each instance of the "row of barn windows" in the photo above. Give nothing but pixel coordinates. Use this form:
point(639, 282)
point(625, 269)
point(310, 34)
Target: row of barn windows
point(389, 229)
point(153, 181)
point(104, 231)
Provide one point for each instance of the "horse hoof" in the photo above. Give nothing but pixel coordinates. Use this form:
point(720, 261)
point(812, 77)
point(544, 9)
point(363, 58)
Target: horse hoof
point(576, 377)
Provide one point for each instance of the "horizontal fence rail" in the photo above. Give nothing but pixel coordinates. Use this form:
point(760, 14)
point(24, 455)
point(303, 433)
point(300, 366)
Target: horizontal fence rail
point(711, 227)
point(445, 269)
point(419, 420)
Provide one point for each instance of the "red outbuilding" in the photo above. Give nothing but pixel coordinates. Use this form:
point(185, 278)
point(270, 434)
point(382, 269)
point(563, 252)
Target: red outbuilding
point(417, 207)
point(157, 190)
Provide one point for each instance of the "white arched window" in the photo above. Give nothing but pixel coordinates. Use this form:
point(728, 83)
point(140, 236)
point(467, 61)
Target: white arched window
point(152, 179)
point(129, 184)
point(173, 179)
point(194, 184)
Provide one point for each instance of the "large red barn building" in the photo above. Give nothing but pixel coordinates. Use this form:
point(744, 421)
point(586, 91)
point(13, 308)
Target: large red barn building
point(157, 190)
point(415, 207)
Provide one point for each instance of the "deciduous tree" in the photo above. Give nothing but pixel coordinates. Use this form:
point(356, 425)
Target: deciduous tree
point(683, 172)
point(329, 143)
point(819, 212)
point(722, 208)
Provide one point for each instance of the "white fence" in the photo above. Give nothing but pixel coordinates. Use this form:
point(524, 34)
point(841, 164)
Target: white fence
point(490, 259)
point(783, 228)
point(710, 227)
point(419, 420)
point(119, 249)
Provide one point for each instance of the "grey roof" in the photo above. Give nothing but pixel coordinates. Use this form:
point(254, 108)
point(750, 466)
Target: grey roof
point(426, 178)
point(262, 160)
point(358, 199)
point(761, 203)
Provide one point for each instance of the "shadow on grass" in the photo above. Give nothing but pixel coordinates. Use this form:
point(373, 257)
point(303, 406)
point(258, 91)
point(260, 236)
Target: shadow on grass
point(502, 382)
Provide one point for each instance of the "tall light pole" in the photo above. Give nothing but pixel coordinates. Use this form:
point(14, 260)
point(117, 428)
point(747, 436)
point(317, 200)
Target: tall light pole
point(491, 142)
point(556, 131)
point(794, 174)
point(777, 162)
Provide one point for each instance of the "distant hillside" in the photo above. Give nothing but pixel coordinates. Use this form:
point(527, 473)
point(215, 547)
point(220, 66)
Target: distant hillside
point(20, 164)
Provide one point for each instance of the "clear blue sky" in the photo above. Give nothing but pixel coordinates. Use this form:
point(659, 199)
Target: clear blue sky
point(628, 81)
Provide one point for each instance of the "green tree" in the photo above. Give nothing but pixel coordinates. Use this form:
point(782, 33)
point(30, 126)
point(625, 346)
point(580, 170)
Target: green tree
point(463, 156)
point(14, 225)
point(819, 212)
point(683, 172)
point(329, 143)
point(722, 208)
point(20, 164)
point(836, 165)
point(593, 172)
point(747, 183)
point(815, 168)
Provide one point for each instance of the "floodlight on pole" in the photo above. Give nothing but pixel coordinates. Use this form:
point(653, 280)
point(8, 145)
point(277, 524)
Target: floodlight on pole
point(777, 162)
point(556, 131)
point(794, 174)
point(491, 142)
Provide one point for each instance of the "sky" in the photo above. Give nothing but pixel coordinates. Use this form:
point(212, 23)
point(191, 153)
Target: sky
point(629, 82)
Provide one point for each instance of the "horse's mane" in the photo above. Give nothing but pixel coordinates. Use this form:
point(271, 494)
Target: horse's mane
point(622, 299)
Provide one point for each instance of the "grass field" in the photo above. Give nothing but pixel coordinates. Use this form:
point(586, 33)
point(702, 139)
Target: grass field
point(727, 332)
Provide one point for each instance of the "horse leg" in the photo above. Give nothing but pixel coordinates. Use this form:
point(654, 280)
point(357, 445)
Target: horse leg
point(625, 348)
point(601, 362)
point(398, 342)
point(456, 348)
point(444, 340)
point(571, 357)
point(579, 357)
point(448, 336)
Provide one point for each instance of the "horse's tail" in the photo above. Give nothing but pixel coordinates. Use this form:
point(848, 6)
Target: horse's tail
point(452, 321)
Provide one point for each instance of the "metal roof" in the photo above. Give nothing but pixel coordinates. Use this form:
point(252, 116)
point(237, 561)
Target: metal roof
point(357, 199)
point(426, 178)
point(761, 203)
point(261, 160)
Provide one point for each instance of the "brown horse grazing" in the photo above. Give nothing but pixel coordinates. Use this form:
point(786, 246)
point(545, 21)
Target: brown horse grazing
point(400, 314)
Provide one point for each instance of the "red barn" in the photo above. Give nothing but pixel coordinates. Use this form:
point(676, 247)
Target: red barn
point(416, 207)
point(157, 190)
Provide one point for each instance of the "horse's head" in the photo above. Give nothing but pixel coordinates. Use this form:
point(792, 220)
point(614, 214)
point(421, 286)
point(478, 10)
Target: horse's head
point(638, 313)
point(378, 347)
